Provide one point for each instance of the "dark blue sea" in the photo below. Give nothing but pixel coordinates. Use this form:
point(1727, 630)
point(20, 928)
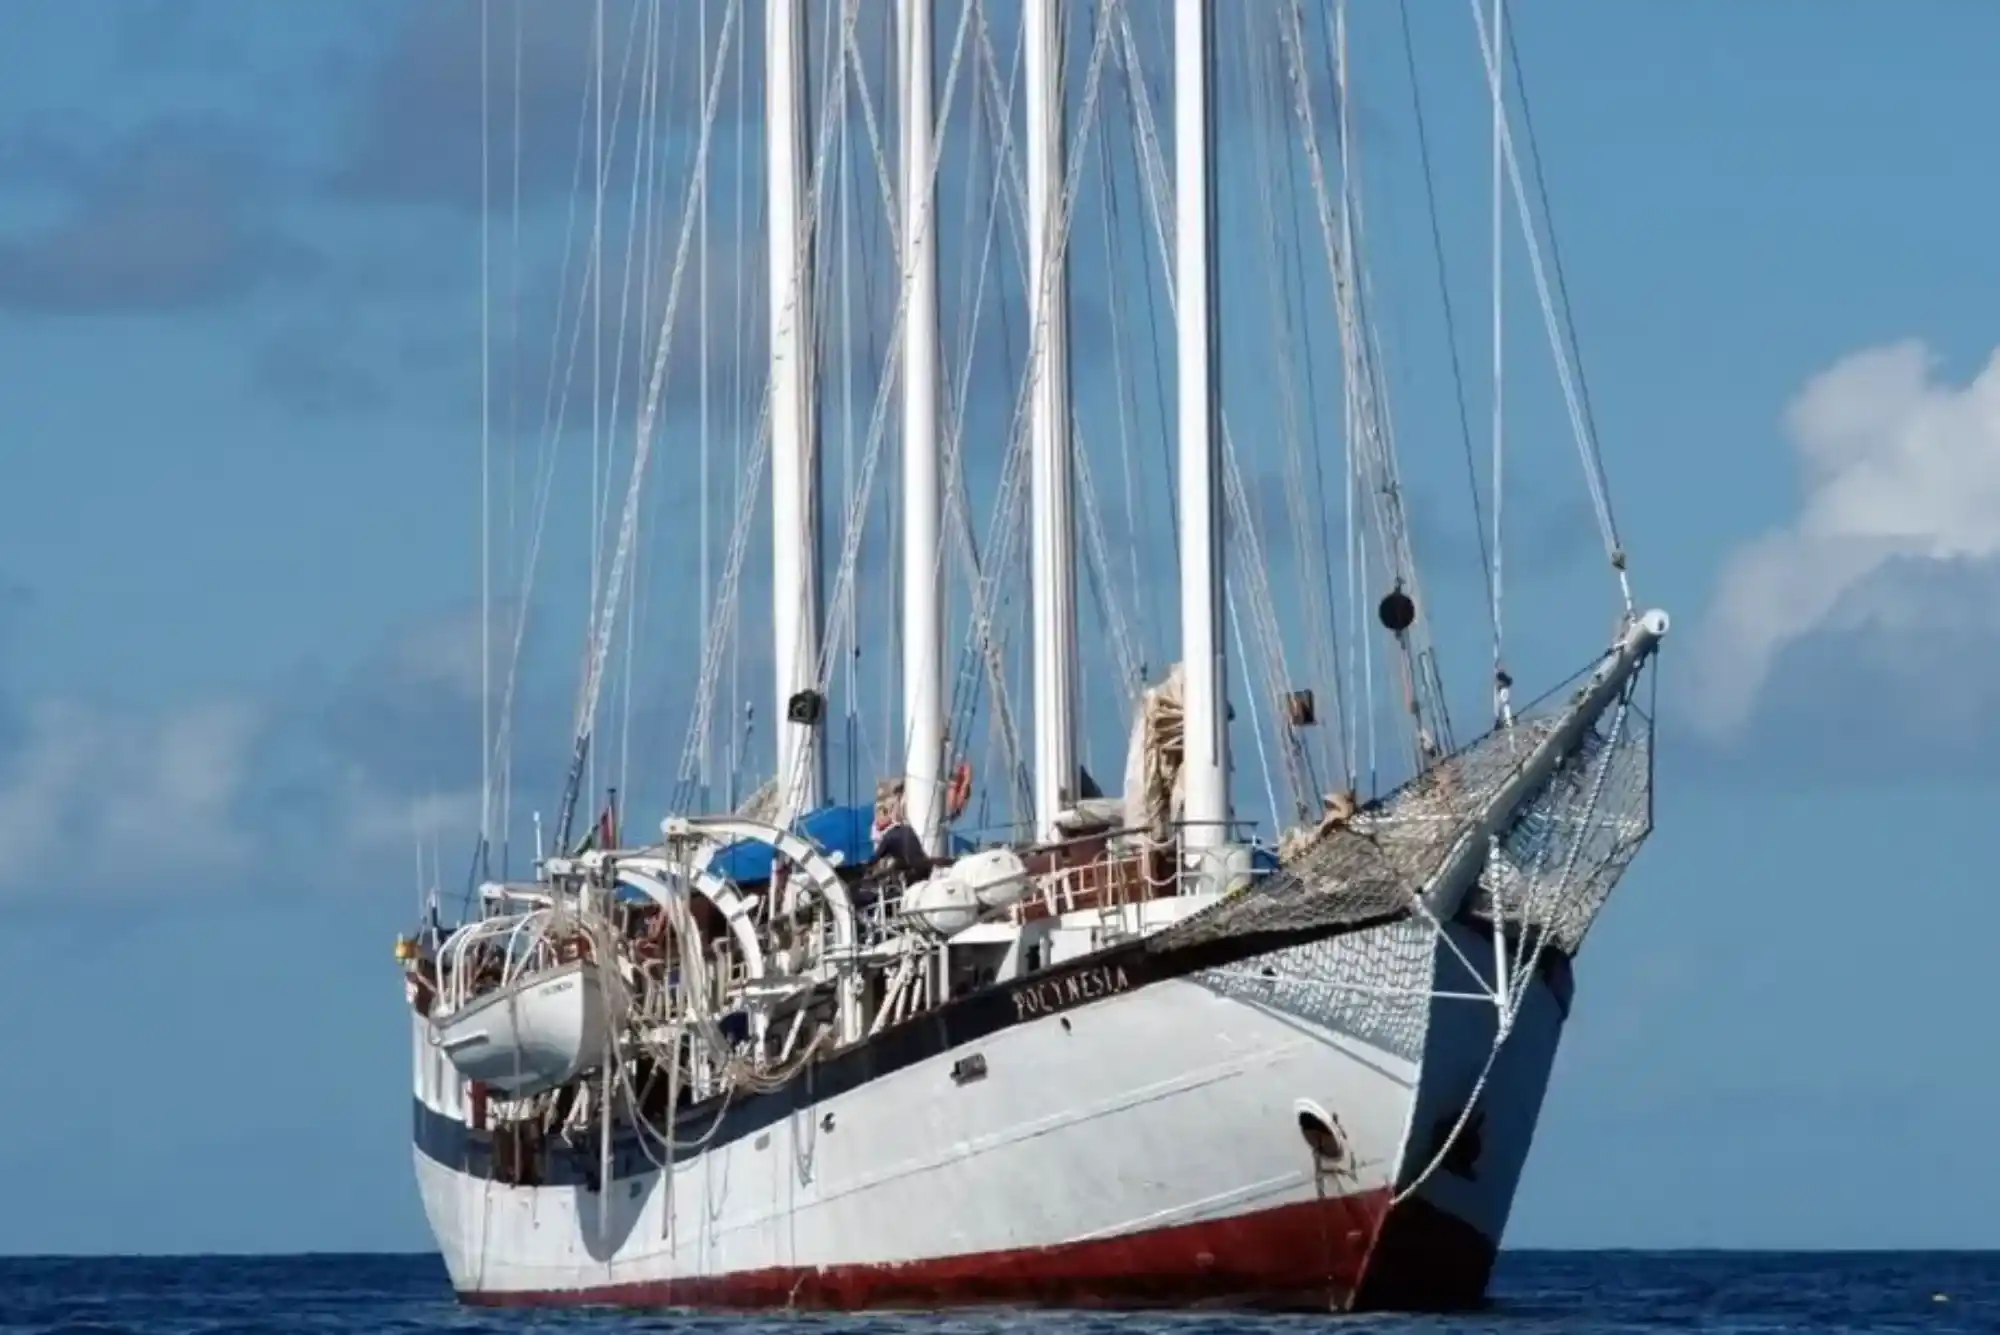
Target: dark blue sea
point(1562, 1293)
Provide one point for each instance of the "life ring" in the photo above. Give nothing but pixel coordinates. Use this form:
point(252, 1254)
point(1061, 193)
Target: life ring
point(959, 791)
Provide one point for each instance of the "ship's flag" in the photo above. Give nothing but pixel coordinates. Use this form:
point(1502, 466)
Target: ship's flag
point(602, 834)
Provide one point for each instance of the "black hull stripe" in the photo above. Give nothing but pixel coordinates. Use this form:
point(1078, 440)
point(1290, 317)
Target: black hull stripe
point(1115, 971)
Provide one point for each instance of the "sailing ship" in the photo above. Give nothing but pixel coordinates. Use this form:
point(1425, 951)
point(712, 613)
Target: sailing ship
point(803, 1053)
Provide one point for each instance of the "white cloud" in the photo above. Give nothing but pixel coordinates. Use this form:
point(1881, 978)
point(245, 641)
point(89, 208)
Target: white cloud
point(374, 820)
point(423, 683)
point(103, 802)
point(1899, 471)
point(92, 801)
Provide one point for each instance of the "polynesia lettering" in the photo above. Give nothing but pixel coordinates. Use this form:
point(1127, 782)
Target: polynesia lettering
point(1054, 994)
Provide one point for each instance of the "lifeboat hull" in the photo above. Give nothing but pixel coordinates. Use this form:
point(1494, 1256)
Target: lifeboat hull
point(531, 1035)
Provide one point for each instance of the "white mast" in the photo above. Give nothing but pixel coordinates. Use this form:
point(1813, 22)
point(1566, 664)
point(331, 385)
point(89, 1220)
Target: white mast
point(923, 580)
point(701, 302)
point(1205, 768)
point(794, 521)
point(1054, 563)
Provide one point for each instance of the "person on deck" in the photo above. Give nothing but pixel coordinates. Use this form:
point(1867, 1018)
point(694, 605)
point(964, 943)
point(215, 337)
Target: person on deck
point(900, 850)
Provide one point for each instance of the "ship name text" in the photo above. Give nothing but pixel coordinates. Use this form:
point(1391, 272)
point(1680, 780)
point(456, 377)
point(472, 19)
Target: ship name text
point(1056, 994)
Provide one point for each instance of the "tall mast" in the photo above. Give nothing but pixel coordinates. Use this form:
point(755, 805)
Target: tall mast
point(701, 303)
point(1205, 767)
point(923, 580)
point(794, 518)
point(1053, 529)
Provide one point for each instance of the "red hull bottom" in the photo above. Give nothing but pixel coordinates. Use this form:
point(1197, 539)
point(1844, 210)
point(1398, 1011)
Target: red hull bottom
point(1312, 1256)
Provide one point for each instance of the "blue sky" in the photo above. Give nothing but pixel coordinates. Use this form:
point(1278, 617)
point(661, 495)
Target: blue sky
point(238, 564)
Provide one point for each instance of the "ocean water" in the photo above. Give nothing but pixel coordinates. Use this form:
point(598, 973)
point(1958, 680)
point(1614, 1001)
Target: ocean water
point(1558, 1293)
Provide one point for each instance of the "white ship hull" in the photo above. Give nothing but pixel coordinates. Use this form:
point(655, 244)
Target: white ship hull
point(1128, 1144)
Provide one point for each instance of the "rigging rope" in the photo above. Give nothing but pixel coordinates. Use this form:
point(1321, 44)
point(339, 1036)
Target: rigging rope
point(607, 614)
point(1320, 642)
point(1340, 238)
point(485, 449)
point(554, 408)
point(1566, 375)
point(1450, 324)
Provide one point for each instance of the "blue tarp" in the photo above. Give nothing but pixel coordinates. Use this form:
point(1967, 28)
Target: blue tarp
point(848, 832)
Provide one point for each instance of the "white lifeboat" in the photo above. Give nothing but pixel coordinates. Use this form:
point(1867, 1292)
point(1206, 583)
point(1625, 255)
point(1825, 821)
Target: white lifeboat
point(972, 887)
point(533, 1034)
